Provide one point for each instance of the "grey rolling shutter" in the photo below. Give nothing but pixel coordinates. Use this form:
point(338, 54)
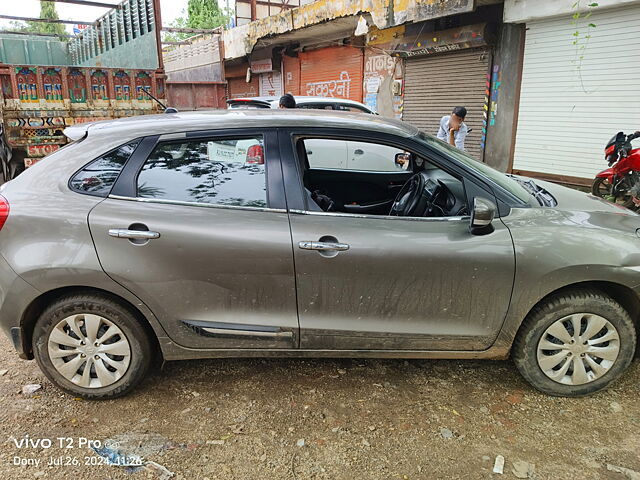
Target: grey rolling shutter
point(436, 84)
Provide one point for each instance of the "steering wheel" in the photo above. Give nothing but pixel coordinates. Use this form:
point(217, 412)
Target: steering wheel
point(409, 197)
point(418, 197)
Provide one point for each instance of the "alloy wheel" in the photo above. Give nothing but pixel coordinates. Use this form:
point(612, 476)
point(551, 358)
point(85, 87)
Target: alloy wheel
point(89, 350)
point(578, 349)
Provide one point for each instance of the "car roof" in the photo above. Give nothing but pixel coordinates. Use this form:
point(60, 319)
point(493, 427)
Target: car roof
point(165, 123)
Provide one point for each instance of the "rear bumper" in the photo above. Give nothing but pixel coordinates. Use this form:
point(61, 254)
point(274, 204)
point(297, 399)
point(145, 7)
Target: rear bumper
point(15, 296)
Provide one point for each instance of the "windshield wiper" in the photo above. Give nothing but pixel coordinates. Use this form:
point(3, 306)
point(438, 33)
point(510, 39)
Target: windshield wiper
point(543, 197)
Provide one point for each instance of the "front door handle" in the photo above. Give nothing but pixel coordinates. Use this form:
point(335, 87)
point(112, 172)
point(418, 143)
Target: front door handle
point(358, 151)
point(133, 234)
point(324, 246)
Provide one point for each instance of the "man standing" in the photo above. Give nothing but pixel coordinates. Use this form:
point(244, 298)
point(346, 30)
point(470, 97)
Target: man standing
point(453, 130)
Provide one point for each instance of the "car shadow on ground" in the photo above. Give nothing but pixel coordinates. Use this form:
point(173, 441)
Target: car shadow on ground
point(279, 376)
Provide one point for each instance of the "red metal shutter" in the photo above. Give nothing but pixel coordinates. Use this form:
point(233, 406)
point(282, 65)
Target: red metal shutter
point(291, 75)
point(332, 72)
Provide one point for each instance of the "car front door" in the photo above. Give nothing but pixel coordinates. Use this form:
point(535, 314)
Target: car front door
point(196, 228)
point(395, 283)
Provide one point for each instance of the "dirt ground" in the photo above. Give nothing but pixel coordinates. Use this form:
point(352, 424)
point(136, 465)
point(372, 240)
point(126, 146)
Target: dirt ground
point(321, 419)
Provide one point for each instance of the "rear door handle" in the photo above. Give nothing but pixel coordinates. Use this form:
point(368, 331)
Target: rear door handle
point(358, 151)
point(133, 234)
point(324, 246)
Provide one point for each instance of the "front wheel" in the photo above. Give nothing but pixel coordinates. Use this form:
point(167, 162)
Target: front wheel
point(601, 187)
point(575, 344)
point(91, 347)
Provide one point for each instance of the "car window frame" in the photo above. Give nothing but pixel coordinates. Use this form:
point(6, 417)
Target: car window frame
point(293, 174)
point(126, 185)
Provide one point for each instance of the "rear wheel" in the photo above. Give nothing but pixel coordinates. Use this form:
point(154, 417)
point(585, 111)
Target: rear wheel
point(91, 346)
point(601, 187)
point(575, 344)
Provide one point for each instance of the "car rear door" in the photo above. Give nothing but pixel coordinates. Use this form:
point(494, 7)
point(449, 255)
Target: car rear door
point(200, 233)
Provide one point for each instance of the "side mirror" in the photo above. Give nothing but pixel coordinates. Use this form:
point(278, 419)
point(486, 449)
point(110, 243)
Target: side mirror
point(402, 160)
point(482, 216)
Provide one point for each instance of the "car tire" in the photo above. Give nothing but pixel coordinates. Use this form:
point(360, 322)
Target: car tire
point(117, 360)
point(534, 351)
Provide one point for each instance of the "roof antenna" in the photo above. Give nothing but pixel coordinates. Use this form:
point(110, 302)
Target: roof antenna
point(166, 109)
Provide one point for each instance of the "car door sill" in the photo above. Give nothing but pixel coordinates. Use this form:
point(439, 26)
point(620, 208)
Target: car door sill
point(171, 351)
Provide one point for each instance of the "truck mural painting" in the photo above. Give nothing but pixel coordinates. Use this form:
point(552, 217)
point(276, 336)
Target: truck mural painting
point(97, 76)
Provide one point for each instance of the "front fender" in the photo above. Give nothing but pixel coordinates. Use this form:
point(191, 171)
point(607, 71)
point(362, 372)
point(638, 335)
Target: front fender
point(558, 248)
point(608, 174)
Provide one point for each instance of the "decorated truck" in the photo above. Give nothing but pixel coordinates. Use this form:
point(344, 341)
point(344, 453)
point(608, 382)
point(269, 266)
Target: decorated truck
point(47, 84)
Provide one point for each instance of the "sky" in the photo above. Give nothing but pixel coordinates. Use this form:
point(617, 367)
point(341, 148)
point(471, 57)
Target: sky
point(31, 8)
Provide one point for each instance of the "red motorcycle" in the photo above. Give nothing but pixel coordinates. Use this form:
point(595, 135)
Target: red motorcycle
point(616, 182)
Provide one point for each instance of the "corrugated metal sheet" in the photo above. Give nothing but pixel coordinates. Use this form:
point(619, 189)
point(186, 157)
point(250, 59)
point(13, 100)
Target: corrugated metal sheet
point(436, 84)
point(124, 37)
point(567, 113)
point(291, 74)
point(32, 50)
point(332, 72)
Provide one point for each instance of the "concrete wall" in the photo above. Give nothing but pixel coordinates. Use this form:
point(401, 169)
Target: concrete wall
point(197, 62)
point(520, 11)
point(505, 92)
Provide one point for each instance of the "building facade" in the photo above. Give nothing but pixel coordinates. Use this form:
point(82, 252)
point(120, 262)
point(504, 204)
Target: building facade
point(415, 63)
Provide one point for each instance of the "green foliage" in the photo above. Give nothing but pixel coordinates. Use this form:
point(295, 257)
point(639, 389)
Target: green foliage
point(201, 14)
point(205, 14)
point(48, 11)
point(581, 40)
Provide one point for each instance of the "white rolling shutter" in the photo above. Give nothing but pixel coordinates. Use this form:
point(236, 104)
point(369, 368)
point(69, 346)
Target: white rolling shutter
point(567, 113)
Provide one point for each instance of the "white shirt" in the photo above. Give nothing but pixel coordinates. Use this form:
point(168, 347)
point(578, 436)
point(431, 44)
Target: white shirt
point(459, 136)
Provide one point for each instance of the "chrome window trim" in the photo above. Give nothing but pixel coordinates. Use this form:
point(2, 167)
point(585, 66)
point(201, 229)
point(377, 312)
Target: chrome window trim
point(383, 217)
point(196, 204)
point(246, 333)
point(375, 172)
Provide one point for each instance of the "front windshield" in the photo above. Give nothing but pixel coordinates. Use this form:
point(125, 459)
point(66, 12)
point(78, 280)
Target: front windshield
point(498, 177)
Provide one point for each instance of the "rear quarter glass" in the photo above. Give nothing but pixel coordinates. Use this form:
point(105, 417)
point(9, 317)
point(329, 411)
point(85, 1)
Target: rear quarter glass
point(98, 177)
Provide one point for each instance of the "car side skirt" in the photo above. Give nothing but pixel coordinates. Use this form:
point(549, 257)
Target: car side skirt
point(171, 351)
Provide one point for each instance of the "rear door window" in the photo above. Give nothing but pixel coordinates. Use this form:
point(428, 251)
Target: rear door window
point(215, 171)
point(98, 177)
point(351, 108)
point(316, 106)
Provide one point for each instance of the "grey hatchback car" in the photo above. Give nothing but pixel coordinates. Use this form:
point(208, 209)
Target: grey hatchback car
point(218, 234)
